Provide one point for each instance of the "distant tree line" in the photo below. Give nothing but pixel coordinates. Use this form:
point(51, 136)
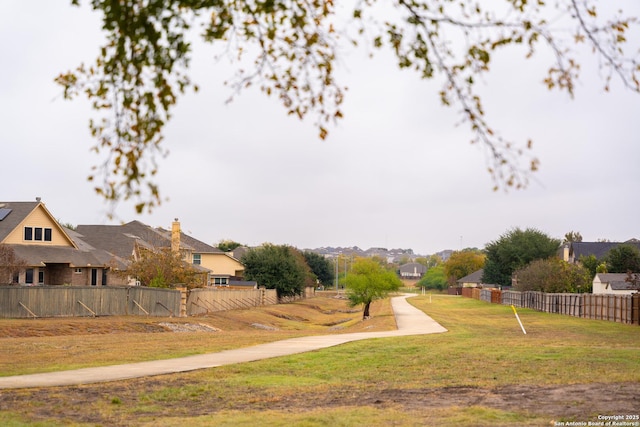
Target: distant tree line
point(529, 260)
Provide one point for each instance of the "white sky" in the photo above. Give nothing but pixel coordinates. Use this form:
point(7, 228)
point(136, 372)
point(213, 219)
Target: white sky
point(396, 172)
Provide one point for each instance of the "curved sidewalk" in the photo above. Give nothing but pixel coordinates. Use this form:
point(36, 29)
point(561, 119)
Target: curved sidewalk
point(409, 319)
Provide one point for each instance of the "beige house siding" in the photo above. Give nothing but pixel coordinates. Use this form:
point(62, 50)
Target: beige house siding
point(41, 218)
point(222, 265)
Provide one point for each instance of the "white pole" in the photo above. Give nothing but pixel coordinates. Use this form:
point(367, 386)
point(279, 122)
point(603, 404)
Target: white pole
point(518, 317)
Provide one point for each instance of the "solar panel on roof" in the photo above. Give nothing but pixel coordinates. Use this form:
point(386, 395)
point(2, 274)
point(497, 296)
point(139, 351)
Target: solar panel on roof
point(4, 212)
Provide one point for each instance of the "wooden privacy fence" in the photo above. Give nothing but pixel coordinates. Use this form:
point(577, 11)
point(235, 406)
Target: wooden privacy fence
point(72, 301)
point(154, 301)
point(619, 308)
point(616, 308)
point(78, 301)
point(202, 301)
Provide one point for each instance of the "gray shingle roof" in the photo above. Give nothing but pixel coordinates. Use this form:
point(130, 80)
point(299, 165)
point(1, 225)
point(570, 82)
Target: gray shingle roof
point(598, 249)
point(42, 255)
point(412, 267)
point(475, 277)
point(19, 211)
point(197, 245)
point(617, 281)
point(121, 239)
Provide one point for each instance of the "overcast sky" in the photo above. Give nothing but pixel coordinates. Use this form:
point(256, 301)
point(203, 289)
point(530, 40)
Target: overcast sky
point(395, 173)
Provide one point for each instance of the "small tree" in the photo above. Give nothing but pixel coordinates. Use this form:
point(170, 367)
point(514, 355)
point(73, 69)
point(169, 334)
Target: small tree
point(434, 278)
point(369, 281)
point(633, 279)
point(553, 275)
point(163, 268)
point(10, 264)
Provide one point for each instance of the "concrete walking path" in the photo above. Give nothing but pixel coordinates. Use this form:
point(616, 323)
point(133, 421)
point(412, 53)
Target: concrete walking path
point(410, 321)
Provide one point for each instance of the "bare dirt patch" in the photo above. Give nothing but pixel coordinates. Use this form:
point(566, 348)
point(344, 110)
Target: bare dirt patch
point(188, 327)
point(576, 401)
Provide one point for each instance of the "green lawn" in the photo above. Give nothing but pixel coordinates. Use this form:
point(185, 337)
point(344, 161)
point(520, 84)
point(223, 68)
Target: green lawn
point(440, 379)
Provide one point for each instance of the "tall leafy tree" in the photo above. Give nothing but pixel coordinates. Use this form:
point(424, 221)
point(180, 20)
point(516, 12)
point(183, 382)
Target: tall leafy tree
point(463, 263)
point(276, 267)
point(142, 69)
point(320, 266)
point(310, 279)
point(513, 250)
point(164, 268)
point(623, 258)
point(369, 281)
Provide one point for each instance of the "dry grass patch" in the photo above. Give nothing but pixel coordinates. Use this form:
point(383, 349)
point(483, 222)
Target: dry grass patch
point(44, 345)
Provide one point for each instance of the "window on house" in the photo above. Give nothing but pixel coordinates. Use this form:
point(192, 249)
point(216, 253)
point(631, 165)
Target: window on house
point(38, 233)
point(220, 281)
point(78, 270)
point(16, 277)
point(197, 259)
point(29, 276)
point(40, 277)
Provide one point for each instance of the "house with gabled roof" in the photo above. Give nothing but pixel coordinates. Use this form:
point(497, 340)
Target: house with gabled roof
point(412, 270)
point(616, 283)
point(473, 280)
point(575, 250)
point(50, 253)
point(132, 239)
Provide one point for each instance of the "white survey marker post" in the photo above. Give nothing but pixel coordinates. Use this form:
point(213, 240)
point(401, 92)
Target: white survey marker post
point(518, 317)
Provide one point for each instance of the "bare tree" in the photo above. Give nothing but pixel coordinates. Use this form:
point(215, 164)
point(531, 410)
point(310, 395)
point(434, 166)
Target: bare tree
point(10, 264)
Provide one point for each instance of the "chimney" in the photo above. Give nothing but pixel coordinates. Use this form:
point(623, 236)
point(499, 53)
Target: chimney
point(175, 235)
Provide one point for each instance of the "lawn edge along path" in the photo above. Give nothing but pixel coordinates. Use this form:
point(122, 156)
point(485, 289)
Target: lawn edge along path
point(409, 321)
